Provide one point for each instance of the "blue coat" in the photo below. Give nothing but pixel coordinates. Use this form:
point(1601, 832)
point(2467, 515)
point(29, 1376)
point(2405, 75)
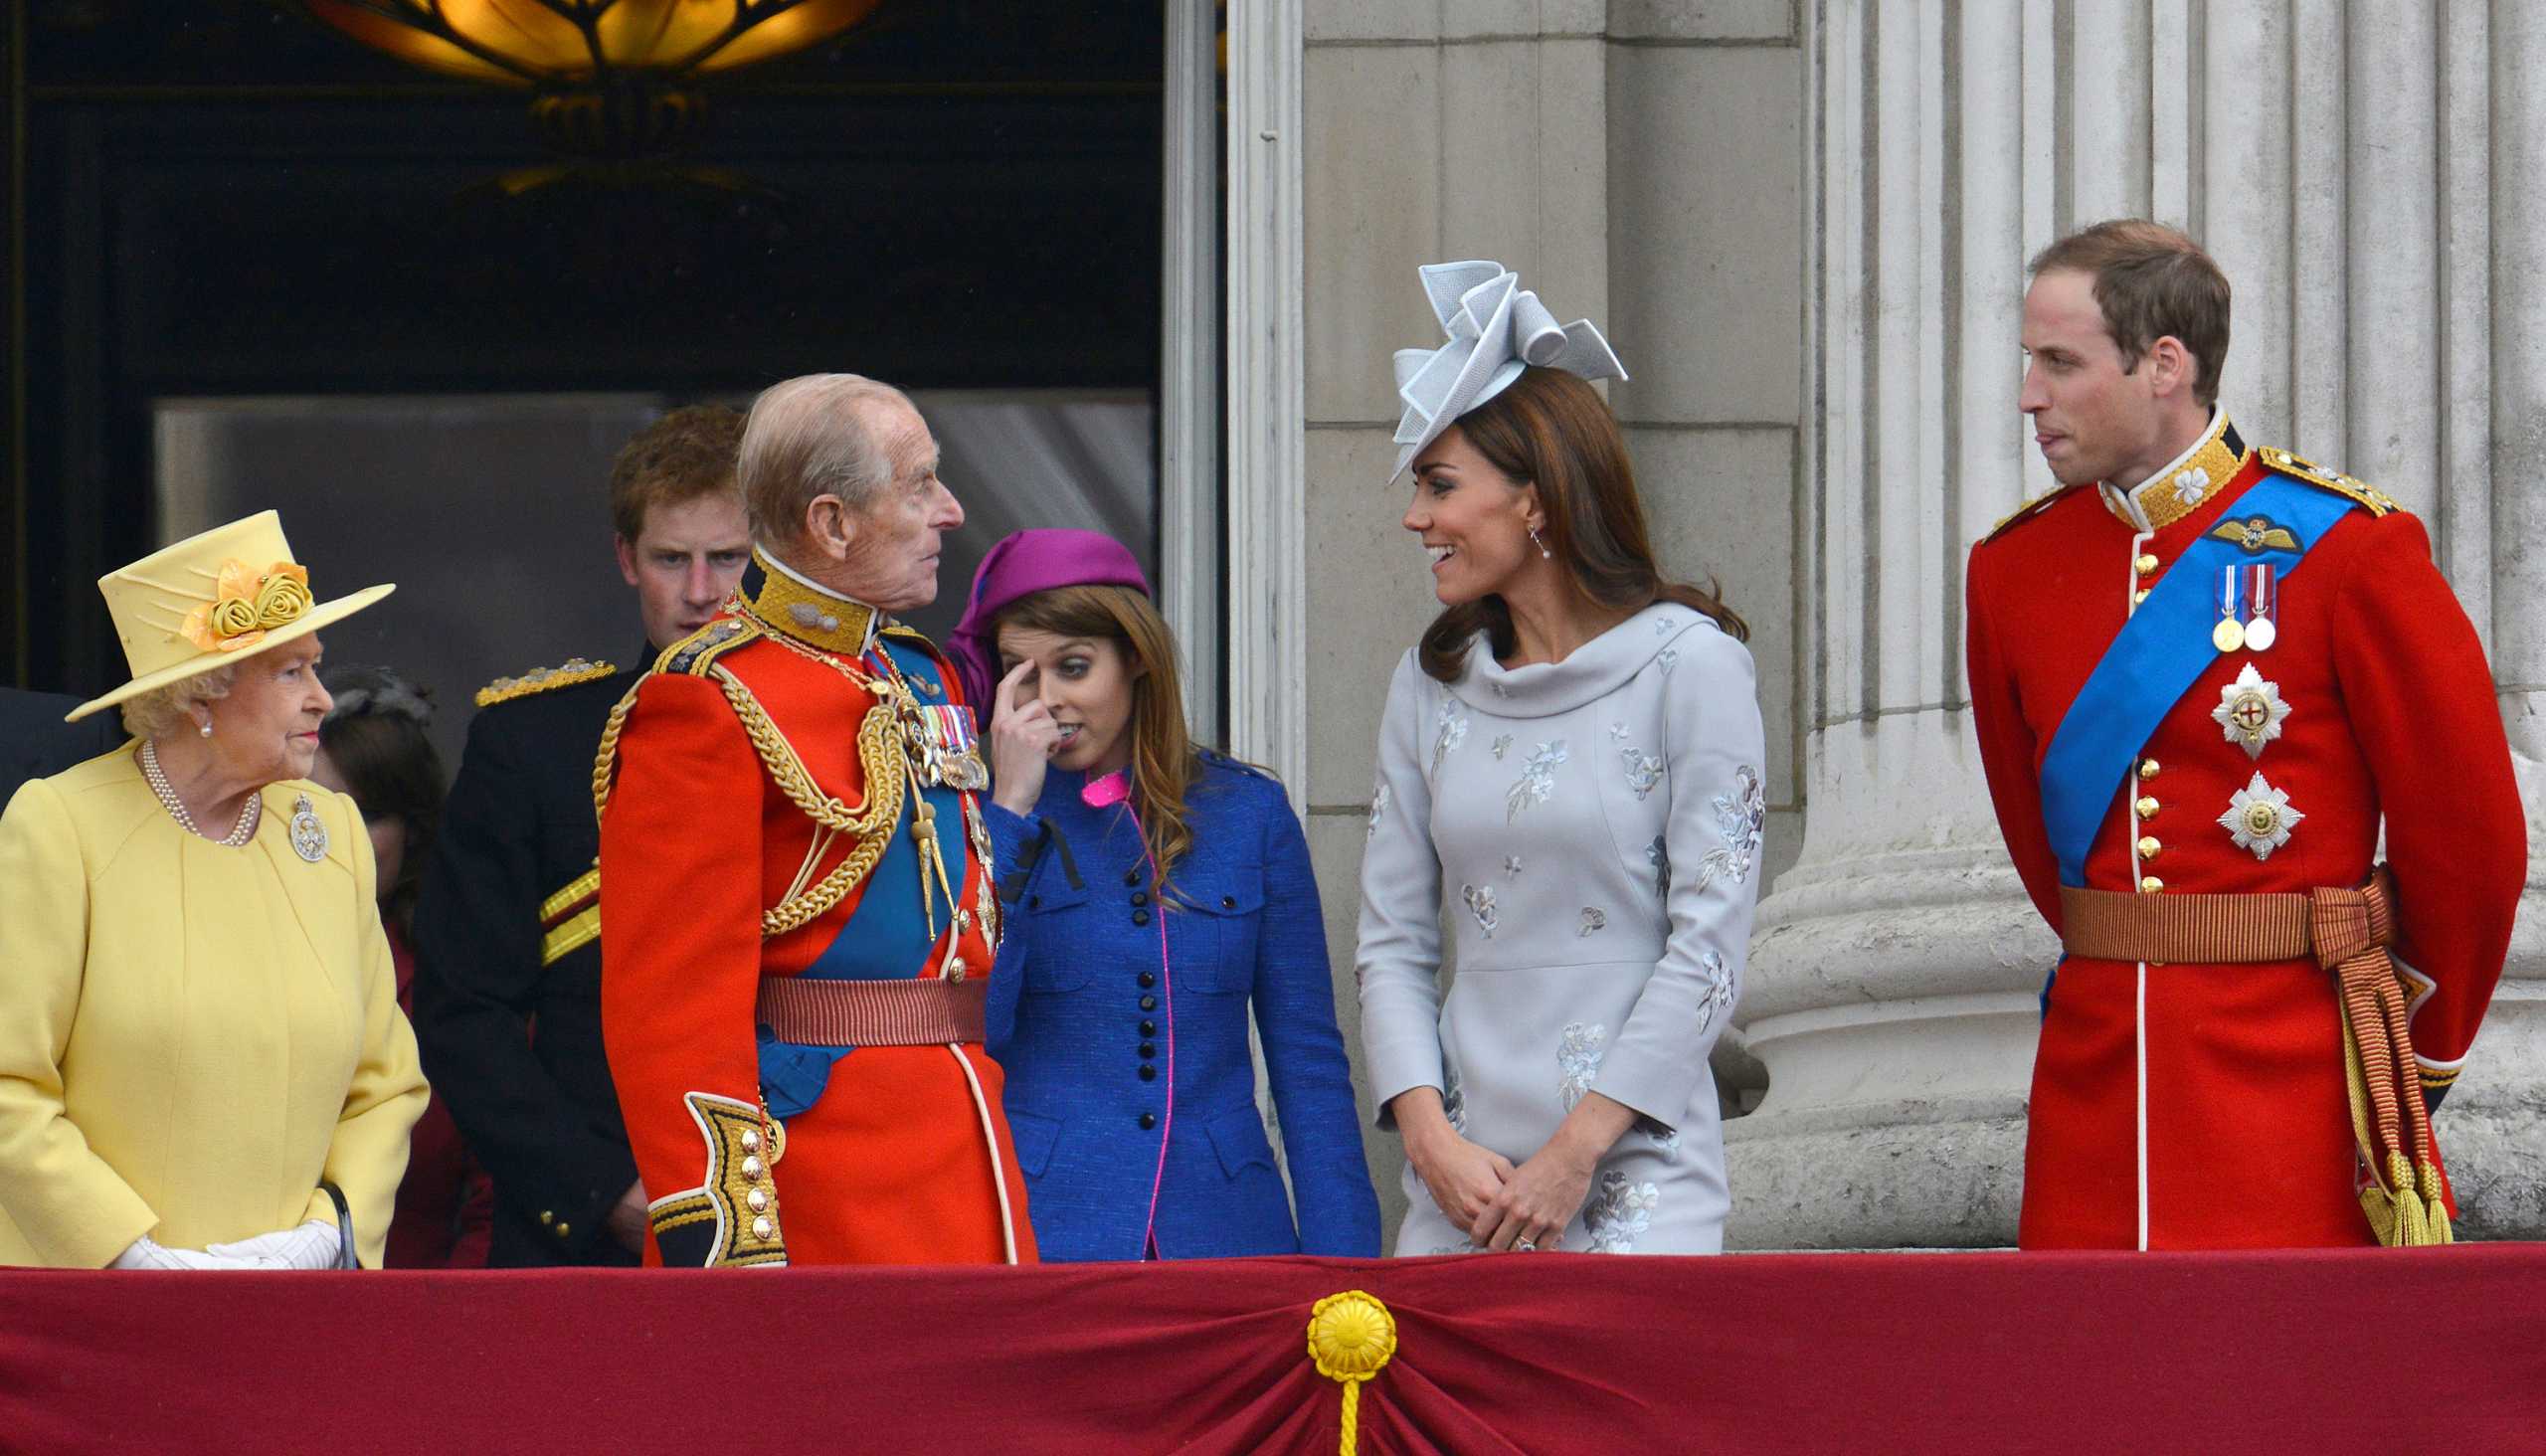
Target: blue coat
point(1081, 1022)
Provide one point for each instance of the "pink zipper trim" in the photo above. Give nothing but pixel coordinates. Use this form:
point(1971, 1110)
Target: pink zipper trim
point(1167, 986)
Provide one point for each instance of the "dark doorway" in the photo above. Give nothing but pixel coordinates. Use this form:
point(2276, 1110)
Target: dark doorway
point(219, 201)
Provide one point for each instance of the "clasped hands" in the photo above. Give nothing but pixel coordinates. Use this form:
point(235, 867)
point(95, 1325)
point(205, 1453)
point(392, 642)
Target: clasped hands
point(313, 1245)
point(1504, 1208)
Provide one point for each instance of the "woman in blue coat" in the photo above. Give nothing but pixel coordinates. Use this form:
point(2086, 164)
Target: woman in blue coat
point(1152, 894)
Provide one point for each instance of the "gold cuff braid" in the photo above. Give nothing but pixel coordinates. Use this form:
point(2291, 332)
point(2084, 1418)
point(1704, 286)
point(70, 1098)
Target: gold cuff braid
point(739, 1194)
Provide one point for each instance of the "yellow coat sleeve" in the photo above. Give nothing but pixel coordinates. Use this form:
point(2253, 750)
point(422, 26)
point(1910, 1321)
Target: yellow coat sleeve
point(368, 1155)
point(60, 1198)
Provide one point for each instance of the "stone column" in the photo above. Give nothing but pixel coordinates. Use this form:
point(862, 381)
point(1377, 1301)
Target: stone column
point(2386, 290)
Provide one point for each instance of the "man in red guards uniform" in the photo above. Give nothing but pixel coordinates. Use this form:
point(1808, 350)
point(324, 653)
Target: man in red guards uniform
point(2202, 673)
point(798, 915)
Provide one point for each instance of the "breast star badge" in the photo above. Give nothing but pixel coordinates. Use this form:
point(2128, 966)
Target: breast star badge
point(2250, 712)
point(2260, 817)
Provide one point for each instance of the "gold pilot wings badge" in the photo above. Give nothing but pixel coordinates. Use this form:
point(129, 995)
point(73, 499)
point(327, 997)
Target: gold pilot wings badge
point(2256, 535)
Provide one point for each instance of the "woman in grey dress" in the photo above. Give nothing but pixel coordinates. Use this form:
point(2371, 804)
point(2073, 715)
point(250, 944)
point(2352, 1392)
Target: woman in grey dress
point(1571, 758)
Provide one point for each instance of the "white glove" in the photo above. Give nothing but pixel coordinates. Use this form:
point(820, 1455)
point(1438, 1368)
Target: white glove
point(150, 1253)
point(313, 1245)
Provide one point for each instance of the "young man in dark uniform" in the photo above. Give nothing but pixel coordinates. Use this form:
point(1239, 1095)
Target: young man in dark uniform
point(508, 929)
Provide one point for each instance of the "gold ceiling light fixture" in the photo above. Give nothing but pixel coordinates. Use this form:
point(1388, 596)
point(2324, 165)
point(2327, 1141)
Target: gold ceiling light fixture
point(607, 77)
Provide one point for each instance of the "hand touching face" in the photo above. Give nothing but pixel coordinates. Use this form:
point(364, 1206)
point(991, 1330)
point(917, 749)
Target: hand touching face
point(1021, 740)
point(1085, 685)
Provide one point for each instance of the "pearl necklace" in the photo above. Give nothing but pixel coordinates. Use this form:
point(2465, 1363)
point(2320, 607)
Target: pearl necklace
point(248, 815)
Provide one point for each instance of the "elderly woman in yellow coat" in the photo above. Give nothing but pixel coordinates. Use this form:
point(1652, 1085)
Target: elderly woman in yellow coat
point(200, 1042)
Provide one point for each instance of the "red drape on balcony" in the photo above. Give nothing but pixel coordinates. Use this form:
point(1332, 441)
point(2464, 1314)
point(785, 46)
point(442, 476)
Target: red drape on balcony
point(2430, 1350)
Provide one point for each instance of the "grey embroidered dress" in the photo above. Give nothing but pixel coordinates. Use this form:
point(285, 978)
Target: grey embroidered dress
point(1594, 825)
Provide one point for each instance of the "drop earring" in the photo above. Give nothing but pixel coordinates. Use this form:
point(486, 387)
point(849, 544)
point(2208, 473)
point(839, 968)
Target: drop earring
point(203, 730)
point(1541, 545)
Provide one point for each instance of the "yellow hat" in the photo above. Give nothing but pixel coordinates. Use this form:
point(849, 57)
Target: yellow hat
point(211, 600)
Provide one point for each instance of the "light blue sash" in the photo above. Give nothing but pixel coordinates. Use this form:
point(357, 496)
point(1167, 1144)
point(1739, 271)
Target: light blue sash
point(2163, 649)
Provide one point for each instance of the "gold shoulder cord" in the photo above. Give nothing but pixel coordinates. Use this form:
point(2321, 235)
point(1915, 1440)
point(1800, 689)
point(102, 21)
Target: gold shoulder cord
point(869, 824)
point(875, 754)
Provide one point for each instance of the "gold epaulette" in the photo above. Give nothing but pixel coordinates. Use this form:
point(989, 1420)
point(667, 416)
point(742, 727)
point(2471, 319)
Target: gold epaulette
point(2026, 511)
point(2376, 500)
point(695, 653)
point(542, 679)
point(909, 635)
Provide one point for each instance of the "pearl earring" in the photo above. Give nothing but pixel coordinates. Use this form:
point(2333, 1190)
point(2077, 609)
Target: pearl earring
point(206, 729)
point(1541, 545)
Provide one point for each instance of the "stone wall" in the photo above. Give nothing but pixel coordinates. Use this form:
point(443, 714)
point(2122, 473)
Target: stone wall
point(1640, 163)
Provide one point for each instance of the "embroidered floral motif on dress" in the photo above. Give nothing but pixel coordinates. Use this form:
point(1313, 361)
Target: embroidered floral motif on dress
point(1618, 1212)
point(1644, 770)
point(1379, 806)
point(1502, 745)
point(1594, 920)
point(1537, 783)
point(1511, 866)
point(1657, 854)
point(1480, 900)
point(1669, 657)
point(1718, 993)
point(1740, 817)
point(1454, 1100)
point(1450, 731)
point(1578, 1058)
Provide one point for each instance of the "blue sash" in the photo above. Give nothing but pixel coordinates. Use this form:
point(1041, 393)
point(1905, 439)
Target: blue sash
point(2159, 653)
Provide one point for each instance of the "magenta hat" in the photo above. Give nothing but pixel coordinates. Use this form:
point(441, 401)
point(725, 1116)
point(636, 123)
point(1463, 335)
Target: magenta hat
point(1019, 565)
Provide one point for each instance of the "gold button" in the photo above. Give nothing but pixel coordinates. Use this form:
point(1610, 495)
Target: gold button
point(546, 1218)
point(2147, 768)
point(762, 1227)
point(2139, 596)
point(2151, 885)
point(751, 1168)
point(2147, 806)
point(2146, 564)
point(758, 1198)
point(565, 1229)
point(2148, 847)
point(751, 1139)
point(955, 969)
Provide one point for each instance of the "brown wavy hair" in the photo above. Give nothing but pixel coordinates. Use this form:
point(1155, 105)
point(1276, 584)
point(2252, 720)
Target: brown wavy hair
point(1165, 761)
point(1552, 430)
point(687, 453)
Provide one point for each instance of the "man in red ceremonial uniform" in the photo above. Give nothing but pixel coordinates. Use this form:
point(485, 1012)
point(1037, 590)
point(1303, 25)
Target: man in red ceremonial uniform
point(799, 921)
point(2203, 675)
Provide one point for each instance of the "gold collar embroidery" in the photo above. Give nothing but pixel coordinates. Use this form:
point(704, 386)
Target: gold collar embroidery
point(788, 604)
point(2185, 484)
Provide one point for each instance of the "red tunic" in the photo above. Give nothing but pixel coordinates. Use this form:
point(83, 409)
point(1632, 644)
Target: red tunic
point(2184, 1106)
point(903, 1156)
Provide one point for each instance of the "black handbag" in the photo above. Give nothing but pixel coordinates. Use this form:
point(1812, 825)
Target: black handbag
point(345, 1258)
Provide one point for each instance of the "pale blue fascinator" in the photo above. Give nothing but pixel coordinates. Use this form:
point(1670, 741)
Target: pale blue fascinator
point(1497, 328)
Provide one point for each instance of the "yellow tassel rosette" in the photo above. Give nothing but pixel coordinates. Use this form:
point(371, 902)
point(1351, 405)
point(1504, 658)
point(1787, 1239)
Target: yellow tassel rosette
point(1351, 1337)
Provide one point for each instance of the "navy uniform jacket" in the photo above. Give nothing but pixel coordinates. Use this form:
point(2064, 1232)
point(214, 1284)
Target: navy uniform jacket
point(512, 1045)
point(1081, 1018)
point(36, 744)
